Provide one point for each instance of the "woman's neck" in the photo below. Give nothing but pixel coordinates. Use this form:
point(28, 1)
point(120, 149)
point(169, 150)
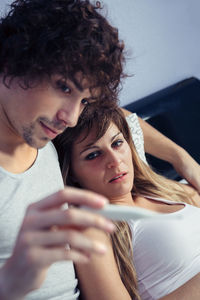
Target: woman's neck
point(126, 199)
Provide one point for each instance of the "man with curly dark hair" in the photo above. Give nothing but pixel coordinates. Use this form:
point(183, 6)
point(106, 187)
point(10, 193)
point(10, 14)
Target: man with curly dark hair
point(56, 57)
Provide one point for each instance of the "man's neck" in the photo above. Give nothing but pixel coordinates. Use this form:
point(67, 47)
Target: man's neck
point(16, 156)
point(18, 159)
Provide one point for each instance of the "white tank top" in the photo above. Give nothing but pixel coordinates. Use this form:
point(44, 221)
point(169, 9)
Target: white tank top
point(166, 252)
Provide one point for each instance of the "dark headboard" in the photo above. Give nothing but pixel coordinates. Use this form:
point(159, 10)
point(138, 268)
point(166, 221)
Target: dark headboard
point(174, 111)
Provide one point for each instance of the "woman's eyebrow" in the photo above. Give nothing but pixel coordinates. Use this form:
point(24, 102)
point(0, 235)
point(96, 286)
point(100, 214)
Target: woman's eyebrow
point(115, 136)
point(92, 146)
point(88, 147)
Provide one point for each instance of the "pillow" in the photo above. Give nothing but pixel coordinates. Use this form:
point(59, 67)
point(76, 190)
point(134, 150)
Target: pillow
point(137, 134)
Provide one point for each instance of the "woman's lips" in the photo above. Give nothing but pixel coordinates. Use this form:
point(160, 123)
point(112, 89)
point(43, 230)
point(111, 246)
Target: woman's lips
point(118, 178)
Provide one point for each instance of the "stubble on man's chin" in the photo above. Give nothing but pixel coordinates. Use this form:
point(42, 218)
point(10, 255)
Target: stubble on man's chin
point(28, 136)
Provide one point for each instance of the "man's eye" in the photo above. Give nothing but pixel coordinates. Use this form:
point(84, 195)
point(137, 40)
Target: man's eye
point(84, 101)
point(63, 87)
point(92, 155)
point(117, 143)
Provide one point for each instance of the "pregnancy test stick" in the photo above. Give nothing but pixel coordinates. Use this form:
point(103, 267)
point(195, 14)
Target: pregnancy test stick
point(122, 212)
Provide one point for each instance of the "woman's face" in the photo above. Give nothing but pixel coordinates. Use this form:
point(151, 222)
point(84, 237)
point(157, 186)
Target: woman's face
point(105, 166)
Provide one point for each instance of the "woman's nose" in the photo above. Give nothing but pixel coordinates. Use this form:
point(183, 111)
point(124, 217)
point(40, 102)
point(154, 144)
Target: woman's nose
point(113, 161)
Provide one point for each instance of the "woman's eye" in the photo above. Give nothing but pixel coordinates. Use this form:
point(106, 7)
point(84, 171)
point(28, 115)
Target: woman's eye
point(117, 143)
point(92, 155)
point(84, 101)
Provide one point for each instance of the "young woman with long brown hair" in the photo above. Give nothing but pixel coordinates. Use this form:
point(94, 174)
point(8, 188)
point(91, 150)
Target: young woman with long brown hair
point(147, 259)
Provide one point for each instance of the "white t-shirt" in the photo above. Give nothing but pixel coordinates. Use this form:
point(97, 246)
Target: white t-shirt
point(17, 192)
point(166, 252)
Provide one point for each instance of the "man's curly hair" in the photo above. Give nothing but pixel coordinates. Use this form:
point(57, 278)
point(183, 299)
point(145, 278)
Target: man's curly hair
point(40, 38)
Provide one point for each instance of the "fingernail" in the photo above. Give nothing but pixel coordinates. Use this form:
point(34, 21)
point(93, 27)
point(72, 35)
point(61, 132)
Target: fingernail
point(102, 200)
point(100, 248)
point(110, 226)
point(83, 260)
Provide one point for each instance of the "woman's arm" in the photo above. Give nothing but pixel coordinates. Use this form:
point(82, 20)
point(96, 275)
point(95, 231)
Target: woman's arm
point(156, 144)
point(100, 279)
point(190, 290)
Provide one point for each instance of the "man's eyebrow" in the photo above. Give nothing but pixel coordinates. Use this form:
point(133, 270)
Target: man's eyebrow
point(77, 84)
point(91, 99)
point(92, 146)
point(81, 89)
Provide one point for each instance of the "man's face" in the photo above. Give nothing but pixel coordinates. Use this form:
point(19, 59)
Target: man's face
point(37, 115)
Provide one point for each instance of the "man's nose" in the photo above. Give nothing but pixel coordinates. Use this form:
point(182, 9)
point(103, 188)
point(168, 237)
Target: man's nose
point(69, 114)
point(114, 160)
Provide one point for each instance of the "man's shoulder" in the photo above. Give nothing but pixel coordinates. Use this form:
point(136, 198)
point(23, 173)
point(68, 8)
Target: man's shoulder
point(49, 148)
point(47, 155)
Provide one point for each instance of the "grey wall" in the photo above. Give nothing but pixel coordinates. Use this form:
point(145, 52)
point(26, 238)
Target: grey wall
point(163, 38)
point(3, 5)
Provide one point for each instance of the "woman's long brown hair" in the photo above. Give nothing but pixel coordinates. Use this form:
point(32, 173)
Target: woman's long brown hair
point(146, 182)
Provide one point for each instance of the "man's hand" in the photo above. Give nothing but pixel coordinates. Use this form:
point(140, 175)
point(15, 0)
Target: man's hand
point(50, 233)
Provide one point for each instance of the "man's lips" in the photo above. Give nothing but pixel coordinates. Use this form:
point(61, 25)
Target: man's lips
point(51, 133)
point(118, 177)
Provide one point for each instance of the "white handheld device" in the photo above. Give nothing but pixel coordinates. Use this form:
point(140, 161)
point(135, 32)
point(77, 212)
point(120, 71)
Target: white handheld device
point(125, 213)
